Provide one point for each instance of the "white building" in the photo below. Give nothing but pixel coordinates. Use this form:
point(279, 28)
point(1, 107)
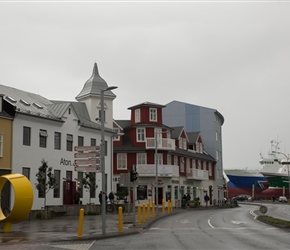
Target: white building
point(49, 130)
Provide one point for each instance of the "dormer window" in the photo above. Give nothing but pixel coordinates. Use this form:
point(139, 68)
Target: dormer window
point(137, 115)
point(153, 114)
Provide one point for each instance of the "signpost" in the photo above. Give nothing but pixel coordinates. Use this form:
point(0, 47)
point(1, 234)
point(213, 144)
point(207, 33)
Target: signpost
point(87, 159)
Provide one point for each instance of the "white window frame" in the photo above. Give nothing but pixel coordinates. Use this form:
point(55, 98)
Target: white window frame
point(140, 134)
point(1, 145)
point(117, 137)
point(193, 163)
point(121, 161)
point(187, 165)
point(175, 159)
point(184, 143)
point(137, 115)
point(153, 114)
point(169, 159)
point(198, 164)
point(210, 169)
point(159, 159)
point(182, 164)
point(141, 158)
point(180, 142)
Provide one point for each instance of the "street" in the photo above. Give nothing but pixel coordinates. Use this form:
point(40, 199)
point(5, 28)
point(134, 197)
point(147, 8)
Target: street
point(208, 229)
point(229, 228)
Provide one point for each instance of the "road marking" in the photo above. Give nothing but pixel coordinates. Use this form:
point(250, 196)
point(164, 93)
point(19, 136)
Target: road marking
point(77, 246)
point(238, 222)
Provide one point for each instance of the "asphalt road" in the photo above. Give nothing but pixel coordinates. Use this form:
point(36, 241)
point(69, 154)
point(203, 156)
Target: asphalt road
point(205, 229)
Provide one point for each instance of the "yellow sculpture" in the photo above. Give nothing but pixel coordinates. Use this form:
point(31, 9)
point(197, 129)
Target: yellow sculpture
point(23, 193)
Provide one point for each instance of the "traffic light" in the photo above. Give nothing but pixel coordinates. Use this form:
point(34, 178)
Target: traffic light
point(133, 175)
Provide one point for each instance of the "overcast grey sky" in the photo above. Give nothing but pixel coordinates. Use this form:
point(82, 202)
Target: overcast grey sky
point(226, 55)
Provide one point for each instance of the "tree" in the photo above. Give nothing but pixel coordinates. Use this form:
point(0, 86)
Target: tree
point(89, 183)
point(45, 182)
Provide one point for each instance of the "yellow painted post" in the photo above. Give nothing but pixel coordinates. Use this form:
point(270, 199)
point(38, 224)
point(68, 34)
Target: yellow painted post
point(169, 206)
point(153, 209)
point(81, 222)
point(7, 227)
point(148, 210)
point(163, 206)
point(139, 214)
point(144, 213)
point(120, 215)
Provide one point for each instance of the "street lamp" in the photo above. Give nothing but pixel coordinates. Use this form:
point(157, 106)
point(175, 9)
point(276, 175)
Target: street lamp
point(103, 158)
point(287, 158)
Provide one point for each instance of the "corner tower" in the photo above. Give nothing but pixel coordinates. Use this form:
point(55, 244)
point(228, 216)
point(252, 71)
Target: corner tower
point(91, 96)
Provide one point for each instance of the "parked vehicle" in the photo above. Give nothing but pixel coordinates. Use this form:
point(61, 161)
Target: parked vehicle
point(243, 197)
point(283, 199)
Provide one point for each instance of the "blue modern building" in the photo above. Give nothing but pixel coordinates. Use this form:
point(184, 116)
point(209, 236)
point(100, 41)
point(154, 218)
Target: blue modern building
point(208, 122)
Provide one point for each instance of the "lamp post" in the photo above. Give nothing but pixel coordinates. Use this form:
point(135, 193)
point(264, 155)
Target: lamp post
point(287, 158)
point(156, 174)
point(103, 158)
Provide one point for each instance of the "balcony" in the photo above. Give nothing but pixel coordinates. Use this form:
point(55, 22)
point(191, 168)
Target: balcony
point(197, 174)
point(162, 143)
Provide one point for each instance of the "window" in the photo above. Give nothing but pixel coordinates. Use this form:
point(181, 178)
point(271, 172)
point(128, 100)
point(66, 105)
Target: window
point(140, 134)
point(210, 169)
point(42, 138)
point(26, 136)
point(153, 114)
point(198, 165)
point(142, 192)
point(80, 141)
point(193, 164)
point(175, 160)
point(137, 115)
point(180, 142)
point(26, 172)
point(187, 165)
point(93, 142)
point(159, 159)
point(57, 140)
point(121, 161)
point(141, 158)
point(69, 142)
point(168, 159)
point(184, 143)
point(56, 190)
point(1, 145)
point(182, 164)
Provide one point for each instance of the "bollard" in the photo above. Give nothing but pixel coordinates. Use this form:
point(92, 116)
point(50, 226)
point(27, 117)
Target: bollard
point(148, 211)
point(120, 216)
point(153, 209)
point(81, 222)
point(163, 206)
point(144, 213)
point(139, 214)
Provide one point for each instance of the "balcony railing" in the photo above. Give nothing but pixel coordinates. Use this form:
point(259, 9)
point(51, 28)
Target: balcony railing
point(197, 174)
point(162, 143)
point(149, 170)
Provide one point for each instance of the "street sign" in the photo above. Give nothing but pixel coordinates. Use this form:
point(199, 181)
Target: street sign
point(87, 155)
point(87, 161)
point(87, 148)
point(88, 168)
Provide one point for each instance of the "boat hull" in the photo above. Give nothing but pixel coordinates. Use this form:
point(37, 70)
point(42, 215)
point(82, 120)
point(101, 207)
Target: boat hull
point(279, 184)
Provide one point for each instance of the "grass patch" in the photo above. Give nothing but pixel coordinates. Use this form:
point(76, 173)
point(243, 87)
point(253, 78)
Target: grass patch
point(274, 222)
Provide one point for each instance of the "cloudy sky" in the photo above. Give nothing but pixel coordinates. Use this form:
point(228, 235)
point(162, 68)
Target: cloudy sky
point(232, 56)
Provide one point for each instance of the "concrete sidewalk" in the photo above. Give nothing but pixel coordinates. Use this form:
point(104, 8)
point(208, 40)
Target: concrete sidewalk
point(65, 228)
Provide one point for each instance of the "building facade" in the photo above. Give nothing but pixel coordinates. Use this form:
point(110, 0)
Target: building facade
point(47, 130)
point(164, 157)
point(209, 123)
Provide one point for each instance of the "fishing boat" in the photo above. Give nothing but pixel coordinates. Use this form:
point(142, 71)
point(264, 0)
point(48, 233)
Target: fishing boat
point(254, 182)
point(279, 182)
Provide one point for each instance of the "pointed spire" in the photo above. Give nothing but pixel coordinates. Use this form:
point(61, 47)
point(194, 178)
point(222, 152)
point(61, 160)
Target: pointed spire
point(94, 85)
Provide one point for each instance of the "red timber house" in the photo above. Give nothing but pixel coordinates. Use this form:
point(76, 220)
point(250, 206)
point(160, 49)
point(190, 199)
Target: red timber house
point(146, 144)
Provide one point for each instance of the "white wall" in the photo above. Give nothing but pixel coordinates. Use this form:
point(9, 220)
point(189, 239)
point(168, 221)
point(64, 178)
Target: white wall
point(31, 156)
